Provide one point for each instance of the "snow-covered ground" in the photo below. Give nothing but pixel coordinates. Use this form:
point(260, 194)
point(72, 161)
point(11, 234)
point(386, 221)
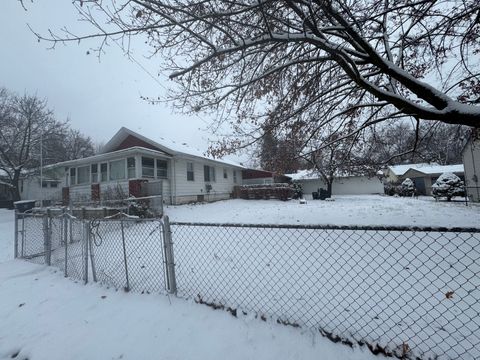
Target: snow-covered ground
point(45, 316)
point(345, 210)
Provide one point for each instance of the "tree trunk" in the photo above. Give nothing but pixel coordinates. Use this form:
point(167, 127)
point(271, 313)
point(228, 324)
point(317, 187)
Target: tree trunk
point(16, 188)
point(329, 187)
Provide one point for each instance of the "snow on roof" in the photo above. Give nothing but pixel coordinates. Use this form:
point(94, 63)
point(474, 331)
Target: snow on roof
point(170, 146)
point(426, 168)
point(304, 175)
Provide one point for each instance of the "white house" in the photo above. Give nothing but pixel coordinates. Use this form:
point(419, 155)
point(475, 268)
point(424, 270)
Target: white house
point(138, 166)
point(342, 185)
point(471, 162)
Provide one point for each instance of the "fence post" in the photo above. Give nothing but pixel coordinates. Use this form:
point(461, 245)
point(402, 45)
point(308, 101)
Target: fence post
point(47, 245)
point(85, 238)
point(15, 246)
point(65, 237)
point(127, 288)
point(168, 245)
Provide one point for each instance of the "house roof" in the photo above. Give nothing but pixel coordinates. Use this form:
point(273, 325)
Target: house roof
point(426, 168)
point(168, 146)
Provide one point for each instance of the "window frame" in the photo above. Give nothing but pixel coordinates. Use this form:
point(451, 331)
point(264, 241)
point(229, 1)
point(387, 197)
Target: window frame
point(129, 167)
point(144, 175)
point(124, 169)
point(209, 173)
point(190, 172)
point(157, 168)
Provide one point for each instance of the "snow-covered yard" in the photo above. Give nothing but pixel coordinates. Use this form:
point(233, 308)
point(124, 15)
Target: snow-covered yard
point(45, 316)
point(345, 210)
point(110, 324)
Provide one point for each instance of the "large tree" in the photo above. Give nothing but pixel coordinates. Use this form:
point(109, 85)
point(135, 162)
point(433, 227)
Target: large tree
point(26, 123)
point(344, 62)
point(30, 136)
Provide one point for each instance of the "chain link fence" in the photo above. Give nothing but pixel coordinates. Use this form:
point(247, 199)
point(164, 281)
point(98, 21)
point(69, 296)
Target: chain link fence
point(405, 292)
point(122, 252)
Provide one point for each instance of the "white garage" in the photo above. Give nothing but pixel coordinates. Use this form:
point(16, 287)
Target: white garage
point(342, 185)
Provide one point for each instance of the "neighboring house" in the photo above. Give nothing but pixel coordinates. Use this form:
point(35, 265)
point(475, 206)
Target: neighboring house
point(139, 166)
point(471, 163)
point(423, 175)
point(342, 185)
point(255, 176)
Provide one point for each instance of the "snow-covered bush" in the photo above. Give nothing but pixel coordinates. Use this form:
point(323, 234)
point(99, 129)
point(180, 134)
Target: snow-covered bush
point(408, 187)
point(448, 185)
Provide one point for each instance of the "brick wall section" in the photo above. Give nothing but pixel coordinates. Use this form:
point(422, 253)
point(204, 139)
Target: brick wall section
point(65, 196)
point(95, 192)
point(135, 187)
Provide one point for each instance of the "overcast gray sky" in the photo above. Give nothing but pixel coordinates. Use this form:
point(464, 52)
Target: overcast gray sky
point(98, 97)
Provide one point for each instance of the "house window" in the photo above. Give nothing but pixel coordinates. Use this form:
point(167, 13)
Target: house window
point(162, 168)
point(208, 173)
point(235, 176)
point(117, 169)
point(148, 167)
point(131, 167)
point(83, 175)
point(103, 172)
point(94, 171)
point(225, 173)
point(53, 184)
point(44, 184)
point(73, 176)
point(190, 173)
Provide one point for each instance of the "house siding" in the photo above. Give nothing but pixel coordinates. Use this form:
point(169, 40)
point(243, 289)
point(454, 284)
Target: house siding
point(188, 191)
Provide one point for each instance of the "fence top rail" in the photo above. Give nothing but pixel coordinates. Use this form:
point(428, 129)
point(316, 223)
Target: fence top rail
point(334, 227)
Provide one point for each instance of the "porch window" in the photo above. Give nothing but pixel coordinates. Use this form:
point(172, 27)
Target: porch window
point(117, 169)
point(162, 169)
point(208, 173)
point(190, 172)
point(103, 172)
point(94, 171)
point(131, 167)
point(83, 176)
point(225, 173)
point(73, 176)
point(235, 176)
point(148, 167)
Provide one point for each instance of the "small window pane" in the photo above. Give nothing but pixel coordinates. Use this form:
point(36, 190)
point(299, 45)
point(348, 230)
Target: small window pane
point(206, 173)
point(148, 167)
point(209, 173)
point(190, 172)
point(94, 171)
point(83, 176)
point(131, 167)
point(103, 172)
point(117, 170)
point(72, 176)
point(162, 167)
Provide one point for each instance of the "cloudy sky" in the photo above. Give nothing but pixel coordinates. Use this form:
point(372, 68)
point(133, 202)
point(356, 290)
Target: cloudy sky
point(97, 96)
